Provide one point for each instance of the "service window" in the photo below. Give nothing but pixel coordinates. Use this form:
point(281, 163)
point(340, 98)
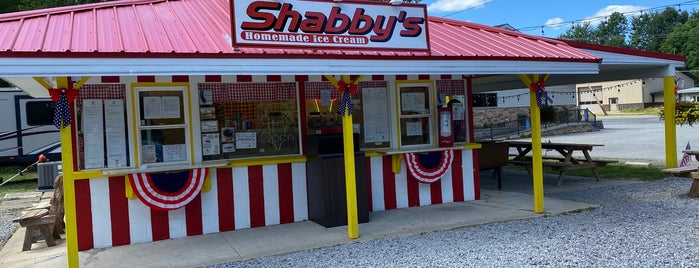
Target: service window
point(242, 120)
point(416, 114)
point(370, 112)
point(162, 125)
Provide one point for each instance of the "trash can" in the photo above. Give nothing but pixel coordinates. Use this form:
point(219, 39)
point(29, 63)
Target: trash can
point(325, 170)
point(47, 172)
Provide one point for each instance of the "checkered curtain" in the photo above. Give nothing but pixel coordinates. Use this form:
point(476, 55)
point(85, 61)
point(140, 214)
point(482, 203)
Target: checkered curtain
point(242, 98)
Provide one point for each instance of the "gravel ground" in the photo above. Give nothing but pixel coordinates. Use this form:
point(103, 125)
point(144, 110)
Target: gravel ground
point(7, 226)
point(651, 224)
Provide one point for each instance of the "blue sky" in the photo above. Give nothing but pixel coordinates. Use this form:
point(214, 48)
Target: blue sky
point(529, 16)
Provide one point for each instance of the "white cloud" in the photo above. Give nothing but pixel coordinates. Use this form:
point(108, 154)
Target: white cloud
point(600, 14)
point(454, 5)
point(554, 22)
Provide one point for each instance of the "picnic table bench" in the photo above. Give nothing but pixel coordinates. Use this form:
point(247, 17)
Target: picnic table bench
point(680, 171)
point(558, 163)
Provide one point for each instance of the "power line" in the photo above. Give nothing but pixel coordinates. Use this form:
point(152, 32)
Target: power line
point(469, 8)
point(600, 18)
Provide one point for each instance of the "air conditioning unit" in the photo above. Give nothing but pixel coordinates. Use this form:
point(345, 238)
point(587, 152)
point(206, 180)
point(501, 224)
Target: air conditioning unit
point(48, 172)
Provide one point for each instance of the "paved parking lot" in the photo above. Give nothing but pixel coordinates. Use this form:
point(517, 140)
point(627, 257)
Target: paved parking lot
point(632, 138)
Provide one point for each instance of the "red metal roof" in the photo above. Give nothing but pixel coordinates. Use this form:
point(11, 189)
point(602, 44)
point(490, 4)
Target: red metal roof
point(202, 29)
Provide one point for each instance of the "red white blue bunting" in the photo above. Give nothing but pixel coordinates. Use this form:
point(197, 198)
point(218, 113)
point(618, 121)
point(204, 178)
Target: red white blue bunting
point(428, 173)
point(346, 90)
point(168, 191)
point(63, 99)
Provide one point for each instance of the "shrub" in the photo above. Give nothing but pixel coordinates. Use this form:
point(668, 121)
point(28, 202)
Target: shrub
point(686, 113)
point(548, 114)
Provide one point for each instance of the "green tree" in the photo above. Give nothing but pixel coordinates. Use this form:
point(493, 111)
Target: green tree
point(684, 40)
point(9, 6)
point(39, 4)
point(583, 33)
point(612, 32)
point(649, 30)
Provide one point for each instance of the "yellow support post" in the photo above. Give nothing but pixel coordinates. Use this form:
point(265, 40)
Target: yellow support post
point(69, 187)
point(537, 165)
point(350, 176)
point(670, 127)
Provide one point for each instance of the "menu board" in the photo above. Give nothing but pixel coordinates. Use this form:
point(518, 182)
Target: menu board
point(93, 133)
point(115, 132)
point(458, 109)
point(171, 107)
point(210, 143)
point(376, 117)
point(149, 154)
point(174, 152)
point(245, 140)
point(412, 102)
point(161, 107)
point(152, 107)
point(413, 128)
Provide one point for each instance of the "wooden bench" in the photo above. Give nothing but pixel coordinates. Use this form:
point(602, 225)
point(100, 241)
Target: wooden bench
point(560, 165)
point(44, 220)
point(39, 224)
point(680, 171)
point(694, 189)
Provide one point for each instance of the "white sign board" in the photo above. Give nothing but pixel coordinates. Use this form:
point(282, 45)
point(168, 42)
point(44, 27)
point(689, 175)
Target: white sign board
point(376, 116)
point(116, 133)
point(93, 133)
point(330, 24)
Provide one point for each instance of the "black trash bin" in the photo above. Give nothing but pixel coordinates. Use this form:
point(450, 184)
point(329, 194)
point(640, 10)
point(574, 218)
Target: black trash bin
point(325, 170)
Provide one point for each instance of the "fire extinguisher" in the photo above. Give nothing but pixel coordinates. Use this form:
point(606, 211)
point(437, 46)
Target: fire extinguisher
point(446, 135)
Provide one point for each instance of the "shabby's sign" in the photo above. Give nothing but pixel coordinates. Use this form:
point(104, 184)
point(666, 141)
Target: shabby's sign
point(330, 24)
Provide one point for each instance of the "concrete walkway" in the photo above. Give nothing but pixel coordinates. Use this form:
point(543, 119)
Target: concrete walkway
point(515, 202)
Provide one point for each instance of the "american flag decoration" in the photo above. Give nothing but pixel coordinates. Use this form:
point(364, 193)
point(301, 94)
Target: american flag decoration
point(347, 90)
point(542, 98)
point(686, 158)
point(63, 99)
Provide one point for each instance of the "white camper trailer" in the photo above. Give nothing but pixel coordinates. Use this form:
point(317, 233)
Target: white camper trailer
point(26, 128)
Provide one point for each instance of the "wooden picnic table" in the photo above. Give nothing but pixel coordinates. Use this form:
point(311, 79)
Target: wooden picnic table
point(694, 153)
point(694, 189)
point(565, 161)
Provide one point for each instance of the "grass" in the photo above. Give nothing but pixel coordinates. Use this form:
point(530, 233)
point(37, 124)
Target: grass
point(615, 171)
point(24, 183)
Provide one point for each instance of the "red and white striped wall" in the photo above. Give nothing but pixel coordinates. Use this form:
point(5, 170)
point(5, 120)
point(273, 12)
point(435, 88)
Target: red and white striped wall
point(239, 198)
point(248, 197)
point(391, 191)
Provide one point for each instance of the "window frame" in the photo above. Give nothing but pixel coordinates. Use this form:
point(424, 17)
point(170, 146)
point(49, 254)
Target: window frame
point(430, 116)
point(185, 126)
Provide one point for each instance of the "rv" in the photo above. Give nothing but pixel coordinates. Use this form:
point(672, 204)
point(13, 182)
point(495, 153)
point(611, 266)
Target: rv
point(26, 128)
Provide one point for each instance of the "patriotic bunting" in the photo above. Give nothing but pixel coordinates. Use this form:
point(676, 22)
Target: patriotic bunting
point(168, 191)
point(347, 90)
point(63, 99)
point(430, 167)
point(542, 98)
